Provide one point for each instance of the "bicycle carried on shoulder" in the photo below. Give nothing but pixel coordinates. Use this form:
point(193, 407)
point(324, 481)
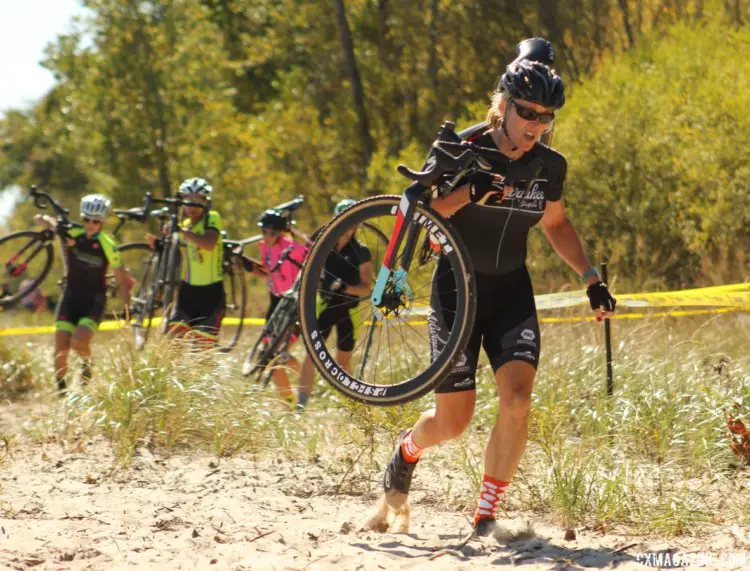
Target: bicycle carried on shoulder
point(159, 269)
point(423, 249)
point(27, 256)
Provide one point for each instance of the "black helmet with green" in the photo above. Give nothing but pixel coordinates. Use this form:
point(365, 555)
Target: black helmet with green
point(343, 205)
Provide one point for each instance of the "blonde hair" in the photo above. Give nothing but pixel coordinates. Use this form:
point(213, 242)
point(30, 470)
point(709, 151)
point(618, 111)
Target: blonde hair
point(498, 104)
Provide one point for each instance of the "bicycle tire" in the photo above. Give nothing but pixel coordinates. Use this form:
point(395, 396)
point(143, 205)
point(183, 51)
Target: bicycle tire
point(46, 247)
point(264, 356)
point(267, 374)
point(143, 247)
point(143, 310)
point(170, 284)
point(451, 247)
point(236, 294)
point(275, 333)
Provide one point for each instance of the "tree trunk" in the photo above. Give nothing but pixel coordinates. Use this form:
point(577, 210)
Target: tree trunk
point(358, 95)
point(154, 101)
point(626, 21)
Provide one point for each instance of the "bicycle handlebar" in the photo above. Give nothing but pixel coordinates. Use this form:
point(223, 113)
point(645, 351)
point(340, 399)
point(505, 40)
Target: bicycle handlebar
point(41, 199)
point(131, 214)
point(442, 161)
point(292, 205)
point(142, 213)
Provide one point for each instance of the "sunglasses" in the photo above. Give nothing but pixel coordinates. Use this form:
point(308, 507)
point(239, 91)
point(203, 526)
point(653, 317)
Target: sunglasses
point(528, 114)
point(269, 232)
point(88, 220)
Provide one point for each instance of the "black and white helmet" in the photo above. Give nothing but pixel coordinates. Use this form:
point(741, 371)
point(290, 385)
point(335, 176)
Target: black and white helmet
point(195, 186)
point(95, 206)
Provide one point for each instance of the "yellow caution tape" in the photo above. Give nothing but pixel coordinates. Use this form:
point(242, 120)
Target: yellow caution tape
point(734, 295)
point(674, 313)
point(730, 298)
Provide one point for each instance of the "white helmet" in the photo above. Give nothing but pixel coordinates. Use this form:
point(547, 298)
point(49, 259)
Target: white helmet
point(95, 206)
point(195, 186)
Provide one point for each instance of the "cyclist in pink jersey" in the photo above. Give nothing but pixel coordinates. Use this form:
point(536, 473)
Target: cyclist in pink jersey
point(282, 257)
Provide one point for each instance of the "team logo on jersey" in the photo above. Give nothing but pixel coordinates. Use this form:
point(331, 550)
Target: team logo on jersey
point(461, 364)
point(96, 245)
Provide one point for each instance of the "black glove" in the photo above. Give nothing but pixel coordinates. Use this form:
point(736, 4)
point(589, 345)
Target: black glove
point(249, 265)
point(330, 289)
point(480, 183)
point(600, 298)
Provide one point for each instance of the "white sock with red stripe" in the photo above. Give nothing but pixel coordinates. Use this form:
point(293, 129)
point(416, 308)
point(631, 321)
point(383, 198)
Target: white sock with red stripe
point(490, 496)
point(410, 450)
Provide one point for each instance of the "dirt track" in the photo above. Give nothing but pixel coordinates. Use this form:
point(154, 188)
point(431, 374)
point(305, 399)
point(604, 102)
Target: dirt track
point(66, 506)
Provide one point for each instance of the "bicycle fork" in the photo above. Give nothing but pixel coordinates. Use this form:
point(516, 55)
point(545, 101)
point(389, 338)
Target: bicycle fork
point(401, 230)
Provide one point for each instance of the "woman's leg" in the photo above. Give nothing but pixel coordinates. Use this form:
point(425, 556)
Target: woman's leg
point(62, 348)
point(515, 381)
point(81, 343)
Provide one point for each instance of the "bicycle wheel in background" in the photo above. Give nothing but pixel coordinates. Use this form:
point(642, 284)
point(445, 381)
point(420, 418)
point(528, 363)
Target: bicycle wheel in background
point(391, 361)
point(171, 283)
point(26, 259)
point(144, 290)
point(137, 261)
point(235, 291)
point(376, 241)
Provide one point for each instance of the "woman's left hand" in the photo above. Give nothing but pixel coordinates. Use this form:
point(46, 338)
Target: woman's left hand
point(601, 300)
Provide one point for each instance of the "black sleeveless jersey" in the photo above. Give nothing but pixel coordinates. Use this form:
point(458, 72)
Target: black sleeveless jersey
point(495, 234)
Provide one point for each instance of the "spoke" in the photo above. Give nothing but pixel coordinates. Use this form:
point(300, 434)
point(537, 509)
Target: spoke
point(406, 323)
point(403, 340)
point(433, 280)
point(390, 357)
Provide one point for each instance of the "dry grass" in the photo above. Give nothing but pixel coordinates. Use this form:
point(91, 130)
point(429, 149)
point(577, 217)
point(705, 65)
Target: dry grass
point(655, 457)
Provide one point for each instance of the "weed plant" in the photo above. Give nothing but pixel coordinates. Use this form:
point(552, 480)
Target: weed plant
point(654, 456)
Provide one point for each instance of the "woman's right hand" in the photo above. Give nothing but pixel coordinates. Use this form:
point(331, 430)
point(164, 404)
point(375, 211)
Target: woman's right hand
point(151, 239)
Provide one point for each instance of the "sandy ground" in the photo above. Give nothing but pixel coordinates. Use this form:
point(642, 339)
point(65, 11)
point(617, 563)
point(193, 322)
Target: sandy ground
point(68, 506)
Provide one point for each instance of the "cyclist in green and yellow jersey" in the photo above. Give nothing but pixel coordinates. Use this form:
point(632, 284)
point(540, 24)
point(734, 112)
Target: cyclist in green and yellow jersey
point(200, 299)
point(89, 254)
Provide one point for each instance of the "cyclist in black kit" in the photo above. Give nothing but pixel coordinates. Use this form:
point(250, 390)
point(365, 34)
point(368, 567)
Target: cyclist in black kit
point(493, 219)
point(90, 253)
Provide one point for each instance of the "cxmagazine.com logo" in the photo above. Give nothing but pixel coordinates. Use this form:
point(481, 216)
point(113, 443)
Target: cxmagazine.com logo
point(676, 559)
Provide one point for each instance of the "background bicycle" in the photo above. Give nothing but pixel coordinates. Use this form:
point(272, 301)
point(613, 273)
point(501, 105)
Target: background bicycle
point(271, 347)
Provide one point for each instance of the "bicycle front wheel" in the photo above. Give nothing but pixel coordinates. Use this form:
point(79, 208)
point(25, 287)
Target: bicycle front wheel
point(236, 295)
point(143, 269)
point(390, 352)
point(26, 259)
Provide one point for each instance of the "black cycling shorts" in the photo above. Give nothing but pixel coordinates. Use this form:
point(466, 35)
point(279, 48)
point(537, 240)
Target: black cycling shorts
point(339, 316)
point(506, 324)
point(79, 309)
point(200, 308)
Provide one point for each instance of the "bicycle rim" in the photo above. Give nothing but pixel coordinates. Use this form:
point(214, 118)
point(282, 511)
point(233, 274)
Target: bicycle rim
point(142, 300)
point(170, 286)
point(404, 360)
point(25, 260)
point(236, 296)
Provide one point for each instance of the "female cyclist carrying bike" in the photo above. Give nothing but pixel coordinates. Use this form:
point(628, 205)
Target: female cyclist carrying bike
point(493, 221)
point(201, 299)
point(282, 257)
point(89, 254)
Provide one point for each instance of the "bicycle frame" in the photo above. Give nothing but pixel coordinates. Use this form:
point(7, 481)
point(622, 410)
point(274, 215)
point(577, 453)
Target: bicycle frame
point(413, 194)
